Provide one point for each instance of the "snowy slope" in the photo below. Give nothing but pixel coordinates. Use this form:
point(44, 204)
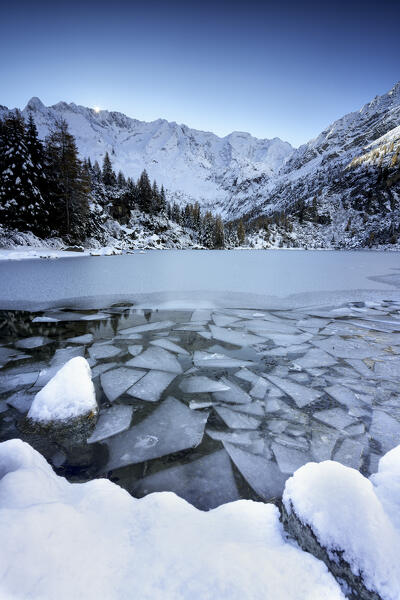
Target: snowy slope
point(319, 167)
point(192, 165)
point(351, 171)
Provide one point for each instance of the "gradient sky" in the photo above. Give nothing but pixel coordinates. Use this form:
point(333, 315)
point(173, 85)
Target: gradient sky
point(284, 69)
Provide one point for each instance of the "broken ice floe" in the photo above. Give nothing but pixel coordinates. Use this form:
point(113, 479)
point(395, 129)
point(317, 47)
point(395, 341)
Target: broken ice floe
point(117, 381)
point(237, 338)
point(262, 474)
point(206, 482)
point(235, 394)
point(236, 420)
point(301, 395)
point(169, 345)
point(216, 360)
point(151, 386)
point(157, 358)
point(100, 351)
point(32, 342)
point(114, 420)
point(170, 428)
point(201, 384)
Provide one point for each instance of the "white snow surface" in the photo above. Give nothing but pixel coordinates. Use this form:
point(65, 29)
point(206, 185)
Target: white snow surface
point(93, 540)
point(347, 513)
point(69, 394)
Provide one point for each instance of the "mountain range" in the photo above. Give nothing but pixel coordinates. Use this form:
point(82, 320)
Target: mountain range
point(192, 165)
point(350, 173)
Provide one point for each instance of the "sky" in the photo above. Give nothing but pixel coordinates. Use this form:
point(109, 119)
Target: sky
point(274, 69)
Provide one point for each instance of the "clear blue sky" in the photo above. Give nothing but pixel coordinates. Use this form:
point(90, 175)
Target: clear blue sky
point(283, 69)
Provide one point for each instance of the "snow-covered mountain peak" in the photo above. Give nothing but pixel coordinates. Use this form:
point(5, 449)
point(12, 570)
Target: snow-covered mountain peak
point(34, 104)
point(192, 165)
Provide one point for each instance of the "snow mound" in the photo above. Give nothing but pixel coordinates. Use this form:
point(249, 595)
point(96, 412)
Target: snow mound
point(387, 484)
point(93, 540)
point(345, 513)
point(69, 394)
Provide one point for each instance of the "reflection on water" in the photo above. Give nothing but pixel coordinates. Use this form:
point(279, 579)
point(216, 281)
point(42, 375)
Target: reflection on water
point(214, 405)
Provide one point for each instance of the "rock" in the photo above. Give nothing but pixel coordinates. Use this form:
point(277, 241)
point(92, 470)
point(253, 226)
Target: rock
point(336, 514)
point(68, 396)
point(74, 249)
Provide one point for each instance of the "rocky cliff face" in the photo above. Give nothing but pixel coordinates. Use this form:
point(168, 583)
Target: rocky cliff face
point(348, 160)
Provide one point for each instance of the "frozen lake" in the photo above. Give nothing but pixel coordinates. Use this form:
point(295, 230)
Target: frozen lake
point(282, 358)
point(189, 278)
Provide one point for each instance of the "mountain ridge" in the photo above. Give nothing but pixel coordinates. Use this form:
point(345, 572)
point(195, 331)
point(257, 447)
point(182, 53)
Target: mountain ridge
point(191, 164)
point(340, 189)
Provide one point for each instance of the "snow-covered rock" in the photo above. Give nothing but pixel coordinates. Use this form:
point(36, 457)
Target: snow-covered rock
point(351, 524)
point(93, 540)
point(68, 395)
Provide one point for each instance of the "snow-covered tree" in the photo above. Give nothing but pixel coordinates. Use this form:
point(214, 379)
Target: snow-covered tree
point(219, 236)
point(144, 192)
point(21, 178)
point(121, 181)
point(96, 172)
point(69, 185)
point(108, 175)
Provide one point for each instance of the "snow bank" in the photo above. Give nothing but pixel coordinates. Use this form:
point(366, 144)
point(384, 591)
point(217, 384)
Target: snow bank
point(348, 519)
point(387, 484)
point(69, 394)
point(93, 540)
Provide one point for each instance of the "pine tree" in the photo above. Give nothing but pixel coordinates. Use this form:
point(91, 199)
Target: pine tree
point(187, 216)
point(144, 192)
point(207, 230)
point(121, 181)
point(96, 172)
point(21, 201)
point(68, 182)
point(108, 175)
point(196, 217)
point(163, 200)
point(155, 201)
point(219, 236)
point(241, 233)
point(176, 213)
point(131, 194)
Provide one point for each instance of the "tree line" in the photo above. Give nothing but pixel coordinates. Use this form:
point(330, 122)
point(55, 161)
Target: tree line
point(45, 188)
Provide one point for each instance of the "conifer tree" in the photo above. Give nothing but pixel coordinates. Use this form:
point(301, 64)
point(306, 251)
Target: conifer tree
point(155, 201)
point(207, 230)
point(144, 192)
point(96, 172)
point(108, 175)
point(176, 213)
point(219, 236)
point(241, 234)
point(68, 182)
point(121, 181)
point(21, 201)
point(163, 200)
point(131, 193)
